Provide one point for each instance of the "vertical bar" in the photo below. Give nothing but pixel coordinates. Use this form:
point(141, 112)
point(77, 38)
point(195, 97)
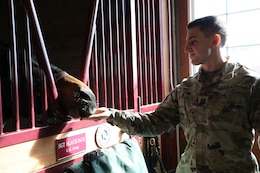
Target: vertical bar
point(28, 71)
point(110, 58)
point(134, 53)
point(103, 61)
point(161, 49)
point(118, 86)
point(13, 58)
point(95, 65)
point(139, 53)
point(1, 110)
point(124, 64)
point(144, 55)
point(170, 44)
point(154, 53)
point(139, 104)
point(85, 62)
point(44, 100)
point(149, 57)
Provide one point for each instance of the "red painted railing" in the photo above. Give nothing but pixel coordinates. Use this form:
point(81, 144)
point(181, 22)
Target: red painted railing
point(17, 103)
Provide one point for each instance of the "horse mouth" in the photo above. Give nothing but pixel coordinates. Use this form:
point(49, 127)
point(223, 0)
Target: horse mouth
point(87, 109)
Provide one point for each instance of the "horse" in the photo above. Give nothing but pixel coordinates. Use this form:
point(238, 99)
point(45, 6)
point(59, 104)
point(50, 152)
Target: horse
point(75, 98)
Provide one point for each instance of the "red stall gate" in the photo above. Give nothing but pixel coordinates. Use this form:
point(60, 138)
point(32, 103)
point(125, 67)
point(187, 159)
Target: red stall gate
point(126, 61)
point(123, 63)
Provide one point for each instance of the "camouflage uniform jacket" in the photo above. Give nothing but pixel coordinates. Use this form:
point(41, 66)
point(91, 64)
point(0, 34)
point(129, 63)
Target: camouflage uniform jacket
point(218, 116)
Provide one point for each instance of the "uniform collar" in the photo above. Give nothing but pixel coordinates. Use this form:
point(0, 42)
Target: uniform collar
point(227, 71)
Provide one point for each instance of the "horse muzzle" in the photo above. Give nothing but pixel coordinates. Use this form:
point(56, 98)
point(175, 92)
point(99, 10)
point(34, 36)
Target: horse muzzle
point(75, 97)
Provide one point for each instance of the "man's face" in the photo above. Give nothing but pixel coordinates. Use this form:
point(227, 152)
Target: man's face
point(198, 46)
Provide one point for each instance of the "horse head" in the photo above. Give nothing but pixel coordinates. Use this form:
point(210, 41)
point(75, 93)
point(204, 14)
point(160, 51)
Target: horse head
point(74, 97)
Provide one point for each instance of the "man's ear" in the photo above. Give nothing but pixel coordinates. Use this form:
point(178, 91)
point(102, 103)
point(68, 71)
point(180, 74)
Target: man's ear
point(216, 40)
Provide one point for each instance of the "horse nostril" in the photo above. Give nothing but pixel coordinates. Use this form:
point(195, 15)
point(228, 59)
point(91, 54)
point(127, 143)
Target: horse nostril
point(84, 95)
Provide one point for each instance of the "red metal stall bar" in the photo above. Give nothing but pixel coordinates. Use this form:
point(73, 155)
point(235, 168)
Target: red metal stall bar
point(123, 64)
point(143, 56)
point(149, 53)
point(13, 58)
point(110, 59)
point(1, 110)
point(133, 63)
point(28, 70)
point(94, 70)
point(103, 67)
point(85, 62)
point(117, 59)
point(139, 55)
point(44, 100)
point(154, 54)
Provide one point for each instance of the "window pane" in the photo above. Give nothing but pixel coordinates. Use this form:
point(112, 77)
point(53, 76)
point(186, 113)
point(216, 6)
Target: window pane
point(242, 5)
point(243, 28)
point(208, 7)
point(247, 56)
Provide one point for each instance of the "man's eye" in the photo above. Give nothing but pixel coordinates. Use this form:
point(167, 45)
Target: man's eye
point(193, 42)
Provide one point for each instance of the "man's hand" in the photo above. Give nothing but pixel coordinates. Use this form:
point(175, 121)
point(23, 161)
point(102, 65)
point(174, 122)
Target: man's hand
point(101, 113)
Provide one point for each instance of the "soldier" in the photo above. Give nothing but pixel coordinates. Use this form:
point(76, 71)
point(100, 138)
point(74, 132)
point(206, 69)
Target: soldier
point(218, 108)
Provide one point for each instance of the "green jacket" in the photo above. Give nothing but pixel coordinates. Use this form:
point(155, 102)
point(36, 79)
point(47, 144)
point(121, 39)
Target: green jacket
point(219, 117)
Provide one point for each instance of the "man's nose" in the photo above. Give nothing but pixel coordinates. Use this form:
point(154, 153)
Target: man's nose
point(187, 48)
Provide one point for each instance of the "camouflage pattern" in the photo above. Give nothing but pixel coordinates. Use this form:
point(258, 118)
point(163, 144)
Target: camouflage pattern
point(219, 116)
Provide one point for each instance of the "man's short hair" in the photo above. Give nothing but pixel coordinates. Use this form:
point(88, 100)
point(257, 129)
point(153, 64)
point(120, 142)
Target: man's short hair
point(210, 25)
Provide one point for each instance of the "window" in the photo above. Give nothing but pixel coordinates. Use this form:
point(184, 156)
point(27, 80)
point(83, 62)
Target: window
point(242, 27)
